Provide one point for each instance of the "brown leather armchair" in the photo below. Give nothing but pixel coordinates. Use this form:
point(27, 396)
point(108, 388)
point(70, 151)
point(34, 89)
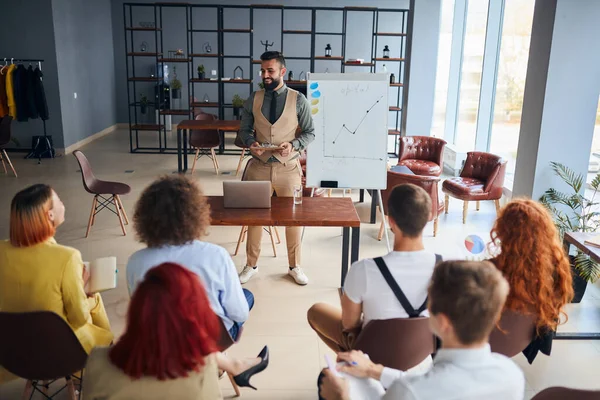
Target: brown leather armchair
point(423, 155)
point(429, 183)
point(481, 178)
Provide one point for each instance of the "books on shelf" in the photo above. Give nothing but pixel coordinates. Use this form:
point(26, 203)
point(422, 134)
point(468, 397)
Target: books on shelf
point(593, 241)
point(103, 274)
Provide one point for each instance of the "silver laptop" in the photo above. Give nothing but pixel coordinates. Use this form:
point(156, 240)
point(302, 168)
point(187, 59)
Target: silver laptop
point(247, 194)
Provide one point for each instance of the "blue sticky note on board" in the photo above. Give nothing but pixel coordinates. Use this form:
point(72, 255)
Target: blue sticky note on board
point(316, 94)
point(314, 85)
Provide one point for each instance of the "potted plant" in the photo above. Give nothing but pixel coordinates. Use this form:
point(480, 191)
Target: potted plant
point(176, 88)
point(573, 212)
point(237, 103)
point(201, 72)
point(261, 85)
point(143, 104)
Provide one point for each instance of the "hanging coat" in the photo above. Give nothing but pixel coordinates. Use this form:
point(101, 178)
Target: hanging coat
point(3, 98)
point(10, 91)
point(30, 93)
point(20, 92)
point(39, 95)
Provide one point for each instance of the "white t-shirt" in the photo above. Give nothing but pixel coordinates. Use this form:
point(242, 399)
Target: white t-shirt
point(365, 284)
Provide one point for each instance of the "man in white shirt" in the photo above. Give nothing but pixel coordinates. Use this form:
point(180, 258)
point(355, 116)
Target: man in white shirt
point(170, 217)
point(465, 301)
point(367, 296)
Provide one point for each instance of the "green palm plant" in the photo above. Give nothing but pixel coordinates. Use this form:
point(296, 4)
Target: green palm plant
point(573, 212)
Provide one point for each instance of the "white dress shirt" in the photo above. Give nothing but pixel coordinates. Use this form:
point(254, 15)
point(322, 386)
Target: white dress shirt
point(210, 262)
point(465, 374)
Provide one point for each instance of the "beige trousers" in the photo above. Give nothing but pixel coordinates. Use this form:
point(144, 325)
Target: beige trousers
point(326, 321)
point(283, 178)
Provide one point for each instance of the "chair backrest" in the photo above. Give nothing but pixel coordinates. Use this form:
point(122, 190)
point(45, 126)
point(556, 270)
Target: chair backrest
point(399, 343)
point(422, 148)
point(204, 138)
point(5, 130)
point(225, 340)
point(563, 393)
point(39, 345)
point(429, 183)
point(87, 175)
point(513, 333)
point(480, 165)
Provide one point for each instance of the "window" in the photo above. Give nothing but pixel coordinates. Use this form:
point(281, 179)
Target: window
point(443, 68)
point(510, 84)
point(594, 164)
point(470, 79)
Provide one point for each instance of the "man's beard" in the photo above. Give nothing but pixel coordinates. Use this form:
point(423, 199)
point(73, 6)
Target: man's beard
point(274, 83)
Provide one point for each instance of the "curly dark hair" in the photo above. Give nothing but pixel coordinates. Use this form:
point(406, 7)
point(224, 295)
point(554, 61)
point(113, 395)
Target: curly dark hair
point(171, 211)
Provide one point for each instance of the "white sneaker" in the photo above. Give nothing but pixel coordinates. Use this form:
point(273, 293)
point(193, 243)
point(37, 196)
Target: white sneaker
point(247, 273)
point(298, 275)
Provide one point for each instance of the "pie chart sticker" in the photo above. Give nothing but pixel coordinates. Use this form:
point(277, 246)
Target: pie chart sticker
point(315, 102)
point(316, 94)
point(314, 85)
point(474, 244)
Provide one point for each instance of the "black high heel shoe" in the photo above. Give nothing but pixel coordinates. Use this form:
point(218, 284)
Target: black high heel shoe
point(243, 379)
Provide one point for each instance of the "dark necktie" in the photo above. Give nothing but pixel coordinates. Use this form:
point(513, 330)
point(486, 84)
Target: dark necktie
point(273, 111)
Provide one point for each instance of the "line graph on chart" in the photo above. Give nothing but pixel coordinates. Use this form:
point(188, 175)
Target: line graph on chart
point(346, 135)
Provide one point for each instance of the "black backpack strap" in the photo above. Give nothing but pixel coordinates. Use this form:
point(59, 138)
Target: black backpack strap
point(396, 289)
point(438, 259)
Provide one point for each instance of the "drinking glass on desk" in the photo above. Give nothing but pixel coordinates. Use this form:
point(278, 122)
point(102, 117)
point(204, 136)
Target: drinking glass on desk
point(297, 194)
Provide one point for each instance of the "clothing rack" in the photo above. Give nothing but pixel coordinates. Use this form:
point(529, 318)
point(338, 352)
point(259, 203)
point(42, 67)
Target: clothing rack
point(41, 147)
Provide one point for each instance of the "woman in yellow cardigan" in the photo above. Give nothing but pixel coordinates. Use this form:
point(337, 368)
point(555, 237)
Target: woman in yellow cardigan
point(37, 274)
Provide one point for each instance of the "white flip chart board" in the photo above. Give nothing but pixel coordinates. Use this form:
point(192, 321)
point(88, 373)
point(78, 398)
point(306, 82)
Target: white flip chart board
point(350, 115)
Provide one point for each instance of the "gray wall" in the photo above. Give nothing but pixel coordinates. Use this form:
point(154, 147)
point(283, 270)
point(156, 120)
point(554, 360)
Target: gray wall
point(423, 61)
point(27, 31)
point(85, 58)
point(267, 25)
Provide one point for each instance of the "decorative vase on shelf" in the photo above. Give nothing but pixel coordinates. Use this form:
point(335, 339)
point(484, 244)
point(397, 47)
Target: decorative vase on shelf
point(386, 52)
point(241, 73)
point(328, 50)
point(392, 78)
point(290, 76)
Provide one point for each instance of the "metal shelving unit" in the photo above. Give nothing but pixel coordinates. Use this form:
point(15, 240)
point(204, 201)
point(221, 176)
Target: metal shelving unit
point(187, 107)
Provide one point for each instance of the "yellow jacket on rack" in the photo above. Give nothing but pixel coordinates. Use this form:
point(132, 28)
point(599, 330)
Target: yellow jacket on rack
point(10, 95)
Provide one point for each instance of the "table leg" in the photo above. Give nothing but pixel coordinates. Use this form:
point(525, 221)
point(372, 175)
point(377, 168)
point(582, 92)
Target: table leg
point(355, 244)
point(179, 153)
point(222, 142)
point(345, 250)
point(185, 150)
point(362, 196)
point(374, 202)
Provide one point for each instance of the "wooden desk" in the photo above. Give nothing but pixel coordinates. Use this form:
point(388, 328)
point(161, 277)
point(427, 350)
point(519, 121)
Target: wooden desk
point(578, 239)
point(182, 133)
point(314, 211)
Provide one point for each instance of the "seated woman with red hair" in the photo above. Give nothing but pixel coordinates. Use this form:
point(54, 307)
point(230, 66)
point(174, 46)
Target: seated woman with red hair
point(534, 262)
point(169, 348)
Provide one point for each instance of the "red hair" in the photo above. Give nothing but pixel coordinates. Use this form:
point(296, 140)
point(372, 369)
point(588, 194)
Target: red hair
point(533, 261)
point(170, 326)
point(29, 221)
